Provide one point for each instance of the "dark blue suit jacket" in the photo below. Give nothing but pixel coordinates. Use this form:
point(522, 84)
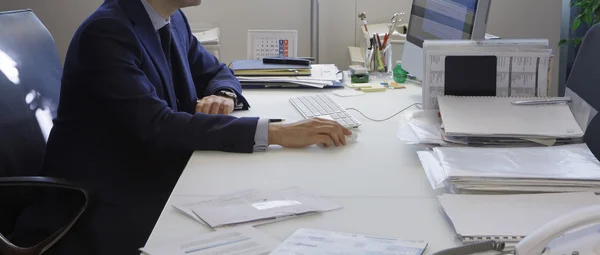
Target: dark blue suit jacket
point(120, 130)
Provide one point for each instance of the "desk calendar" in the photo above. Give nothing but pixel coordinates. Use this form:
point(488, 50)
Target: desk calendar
point(272, 43)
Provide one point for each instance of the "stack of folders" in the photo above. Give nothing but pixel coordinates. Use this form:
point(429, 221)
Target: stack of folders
point(256, 207)
point(508, 218)
point(504, 121)
point(256, 74)
point(470, 170)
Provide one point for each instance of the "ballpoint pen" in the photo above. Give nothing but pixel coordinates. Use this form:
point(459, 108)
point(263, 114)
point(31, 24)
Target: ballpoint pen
point(543, 101)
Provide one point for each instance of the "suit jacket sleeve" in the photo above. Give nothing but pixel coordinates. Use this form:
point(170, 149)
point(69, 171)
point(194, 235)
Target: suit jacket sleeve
point(208, 73)
point(109, 60)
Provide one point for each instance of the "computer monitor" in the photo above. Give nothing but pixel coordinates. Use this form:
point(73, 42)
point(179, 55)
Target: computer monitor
point(441, 19)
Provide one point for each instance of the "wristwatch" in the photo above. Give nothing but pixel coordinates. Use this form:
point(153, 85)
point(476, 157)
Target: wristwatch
point(229, 94)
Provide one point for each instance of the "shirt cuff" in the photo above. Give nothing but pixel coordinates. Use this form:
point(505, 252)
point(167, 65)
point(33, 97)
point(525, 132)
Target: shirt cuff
point(261, 137)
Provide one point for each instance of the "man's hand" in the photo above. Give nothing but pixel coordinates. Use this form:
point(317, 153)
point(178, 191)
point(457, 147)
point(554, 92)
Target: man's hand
point(308, 132)
point(215, 105)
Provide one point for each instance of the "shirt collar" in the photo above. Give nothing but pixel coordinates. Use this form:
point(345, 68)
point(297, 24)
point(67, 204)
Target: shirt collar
point(157, 21)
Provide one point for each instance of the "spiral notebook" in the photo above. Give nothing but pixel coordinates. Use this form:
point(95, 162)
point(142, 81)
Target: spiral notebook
point(498, 117)
point(508, 218)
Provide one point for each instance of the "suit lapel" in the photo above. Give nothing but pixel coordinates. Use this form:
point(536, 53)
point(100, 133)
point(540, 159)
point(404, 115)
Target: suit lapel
point(149, 37)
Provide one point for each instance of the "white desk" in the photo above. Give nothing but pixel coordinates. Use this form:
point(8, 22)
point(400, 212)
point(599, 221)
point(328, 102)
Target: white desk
point(378, 180)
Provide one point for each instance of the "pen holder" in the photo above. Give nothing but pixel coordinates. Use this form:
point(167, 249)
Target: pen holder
point(380, 61)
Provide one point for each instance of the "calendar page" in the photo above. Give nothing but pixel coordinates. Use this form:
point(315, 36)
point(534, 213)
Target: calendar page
point(272, 43)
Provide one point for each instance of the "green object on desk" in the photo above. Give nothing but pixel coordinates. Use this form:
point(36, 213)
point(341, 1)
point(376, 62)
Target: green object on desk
point(361, 78)
point(400, 74)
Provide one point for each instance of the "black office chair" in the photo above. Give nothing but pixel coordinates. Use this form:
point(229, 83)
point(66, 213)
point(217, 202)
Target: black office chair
point(30, 73)
point(584, 81)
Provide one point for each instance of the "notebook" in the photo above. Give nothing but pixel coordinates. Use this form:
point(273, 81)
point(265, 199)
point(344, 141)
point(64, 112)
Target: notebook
point(256, 67)
point(508, 218)
point(498, 117)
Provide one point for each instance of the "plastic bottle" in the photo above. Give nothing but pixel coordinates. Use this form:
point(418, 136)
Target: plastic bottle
point(400, 74)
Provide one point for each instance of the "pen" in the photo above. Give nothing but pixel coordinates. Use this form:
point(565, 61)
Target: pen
point(543, 101)
point(276, 120)
point(379, 41)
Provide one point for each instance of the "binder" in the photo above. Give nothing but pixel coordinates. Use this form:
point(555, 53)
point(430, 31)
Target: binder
point(256, 67)
point(498, 117)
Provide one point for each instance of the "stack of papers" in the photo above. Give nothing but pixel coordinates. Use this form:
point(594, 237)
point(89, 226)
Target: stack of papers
point(508, 218)
point(317, 76)
point(256, 67)
point(565, 168)
point(498, 121)
point(319, 242)
point(235, 241)
point(256, 207)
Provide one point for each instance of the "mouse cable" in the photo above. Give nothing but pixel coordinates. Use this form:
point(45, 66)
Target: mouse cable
point(354, 109)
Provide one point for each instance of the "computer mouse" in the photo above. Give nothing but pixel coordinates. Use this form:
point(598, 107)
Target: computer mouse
point(349, 139)
point(352, 138)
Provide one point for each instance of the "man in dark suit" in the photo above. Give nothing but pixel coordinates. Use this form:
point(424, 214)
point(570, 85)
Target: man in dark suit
point(139, 94)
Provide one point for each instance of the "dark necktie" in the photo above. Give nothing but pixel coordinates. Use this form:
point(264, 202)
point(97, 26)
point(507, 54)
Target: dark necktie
point(165, 41)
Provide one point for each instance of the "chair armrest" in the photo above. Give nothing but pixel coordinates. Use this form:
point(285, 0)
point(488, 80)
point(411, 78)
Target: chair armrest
point(6, 247)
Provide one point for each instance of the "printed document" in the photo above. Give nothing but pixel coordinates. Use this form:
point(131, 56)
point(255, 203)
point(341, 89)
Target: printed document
point(319, 242)
point(234, 241)
point(256, 205)
point(522, 66)
point(187, 209)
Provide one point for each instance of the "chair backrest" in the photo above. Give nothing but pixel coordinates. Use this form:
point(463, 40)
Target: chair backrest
point(583, 86)
point(30, 73)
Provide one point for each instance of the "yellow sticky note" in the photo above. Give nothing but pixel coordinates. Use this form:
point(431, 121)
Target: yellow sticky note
point(373, 89)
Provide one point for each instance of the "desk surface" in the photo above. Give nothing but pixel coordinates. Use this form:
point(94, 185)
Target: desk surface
point(378, 180)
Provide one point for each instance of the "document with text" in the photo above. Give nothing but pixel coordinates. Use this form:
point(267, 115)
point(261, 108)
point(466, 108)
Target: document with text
point(259, 205)
point(522, 69)
point(320, 242)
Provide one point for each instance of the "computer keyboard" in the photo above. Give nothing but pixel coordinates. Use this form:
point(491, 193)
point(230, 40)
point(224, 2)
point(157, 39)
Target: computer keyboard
point(321, 105)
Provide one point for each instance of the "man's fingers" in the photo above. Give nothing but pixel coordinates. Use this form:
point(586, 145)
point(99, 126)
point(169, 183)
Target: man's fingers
point(321, 139)
point(222, 108)
point(207, 105)
point(330, 131)
point(340, 134)
point(214, 108)
point(346, 131)
point(200, 105)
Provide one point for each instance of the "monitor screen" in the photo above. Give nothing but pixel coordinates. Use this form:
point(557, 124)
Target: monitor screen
point(441, 19)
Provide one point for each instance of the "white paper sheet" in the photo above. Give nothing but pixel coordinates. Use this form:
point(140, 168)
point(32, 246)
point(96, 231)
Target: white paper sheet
point(319, 242)
point(252, 205)
point(509, 216)
point(186, 209)
point(234, 241)
point(421, 127)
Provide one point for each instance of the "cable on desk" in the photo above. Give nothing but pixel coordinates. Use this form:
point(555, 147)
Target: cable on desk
point(354, 109)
